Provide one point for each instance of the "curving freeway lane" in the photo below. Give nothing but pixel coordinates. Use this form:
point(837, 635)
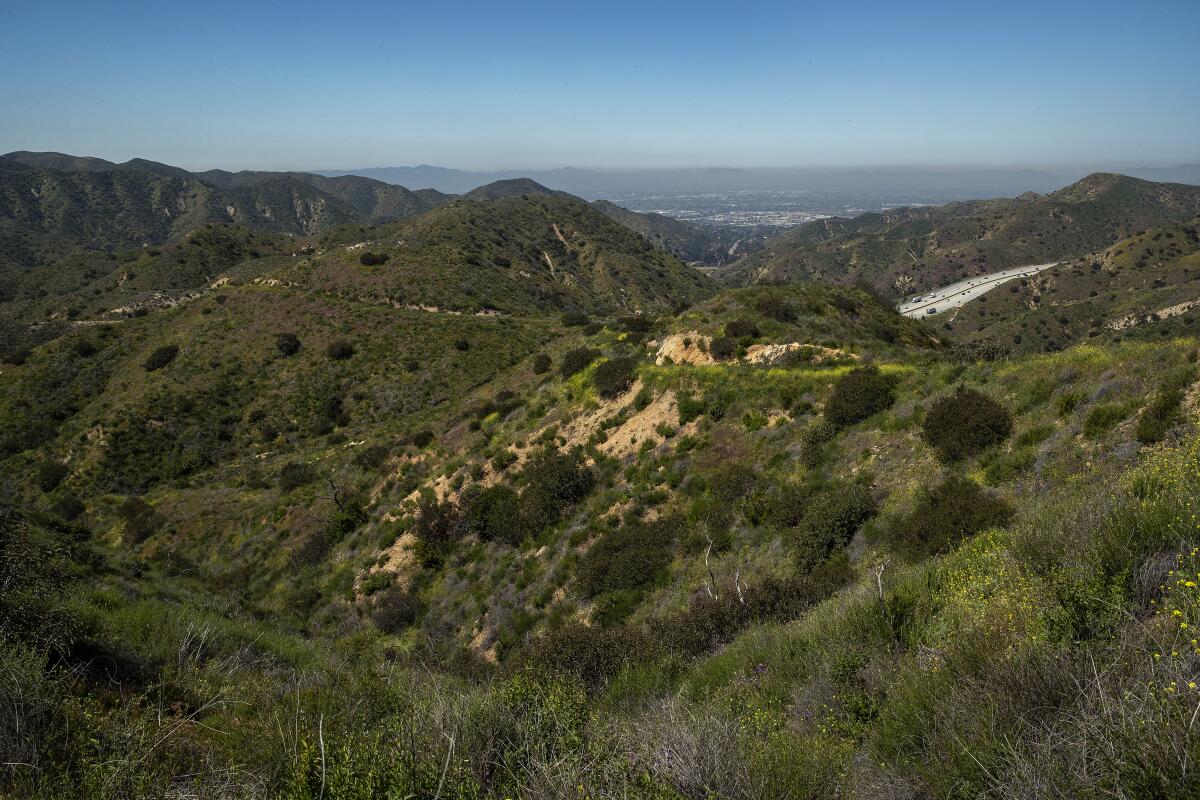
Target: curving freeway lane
point(961, 293)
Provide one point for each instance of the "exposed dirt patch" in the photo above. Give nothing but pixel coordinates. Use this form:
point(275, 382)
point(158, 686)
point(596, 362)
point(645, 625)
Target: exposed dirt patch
point(685, 348)
point(768, 354)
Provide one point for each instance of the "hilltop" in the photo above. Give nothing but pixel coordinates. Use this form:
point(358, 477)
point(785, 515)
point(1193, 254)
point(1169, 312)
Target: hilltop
point(909, 250)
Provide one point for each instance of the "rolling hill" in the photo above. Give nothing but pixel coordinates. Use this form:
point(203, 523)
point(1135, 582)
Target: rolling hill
point(909, 250)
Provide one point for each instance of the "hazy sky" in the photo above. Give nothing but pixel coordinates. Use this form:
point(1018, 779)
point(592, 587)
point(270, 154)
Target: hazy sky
point(608, 83)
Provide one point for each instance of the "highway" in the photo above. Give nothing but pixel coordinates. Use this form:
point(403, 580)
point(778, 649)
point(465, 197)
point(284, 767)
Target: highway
point(961, 293)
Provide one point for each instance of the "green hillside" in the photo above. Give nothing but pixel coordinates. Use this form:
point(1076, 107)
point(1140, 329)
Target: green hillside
point(910, 250)
point(1143, 287)
point(502, 501)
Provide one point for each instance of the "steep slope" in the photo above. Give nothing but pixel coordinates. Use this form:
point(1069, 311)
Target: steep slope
point(912, 249)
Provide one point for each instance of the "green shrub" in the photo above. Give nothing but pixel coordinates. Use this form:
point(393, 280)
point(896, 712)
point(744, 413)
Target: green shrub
point(635, 324)
point(1103, 417)
point(723, 348)
point(813, 438)
point(340, 350)
point(437, 528)
point(84, 348)
point(296, 474)
point(614, 376)
point(141, 520)
point(630, 557)
point(945, 515)
point(859, 394)
point(741, 329)
point(1163, 411)
point(462, 345)
point(372, 458)
point(160, 357)
point(287, 343)
point(495, 513)
point(541, 364)
point(36, 567)
point(552, 483)
point(775, 307)
point(577, 360)
point(422, 438)
point(50, 474)
point(965, 423)
point(574, 319)
point(830, 520)
point(591, 653)
point(395, 609)
point(369, 259)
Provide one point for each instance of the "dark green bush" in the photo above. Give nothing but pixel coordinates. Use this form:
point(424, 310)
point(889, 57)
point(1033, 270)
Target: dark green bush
point(296, 474)
point(1103, 417)
point(592, 328)
point(339, 350)
point(462, 345)
point(395, 609)
point(614, 376)
point(161, 357)
point(69, 507)
point(741, 329)
point(369, 259)
point(593, 654)
point(84, 348)
point(50, 474)
point(577, 360)
point(574, 319)
point(859, 394)
point(437, 528)
point(635, 324)
point(36, 568)
point(288, 343)
point(830, 520)
point(630, 557)
point(813, 438)
point(141, 520)
point(945, 515)
point(372, 458)
point(723, 348)
point(495, 513)
point(552, 483)
point(422, 438)
point(541, 364)
point(965, 423)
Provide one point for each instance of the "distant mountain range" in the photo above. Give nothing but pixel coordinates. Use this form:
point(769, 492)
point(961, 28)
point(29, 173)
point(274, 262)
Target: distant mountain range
point(933, 185)
point(53, 203)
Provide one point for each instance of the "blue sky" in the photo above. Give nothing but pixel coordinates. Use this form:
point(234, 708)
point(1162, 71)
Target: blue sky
point(614, 83)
